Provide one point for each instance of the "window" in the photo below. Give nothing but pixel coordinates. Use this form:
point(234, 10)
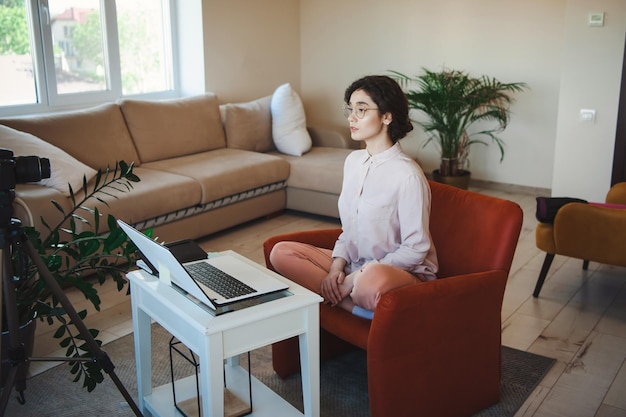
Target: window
point(56, 53)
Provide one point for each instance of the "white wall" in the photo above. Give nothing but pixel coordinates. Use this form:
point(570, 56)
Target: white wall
point(189, 47)
point(590, 79)
point(513, 41)
point(320, 46)
point(250, 47)
point(535, 41)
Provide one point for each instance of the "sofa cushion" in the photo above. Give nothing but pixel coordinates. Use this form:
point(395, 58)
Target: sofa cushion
point(157, 193)
point(225, 172)
point(289, 122)
point(64, 168)
point(248, 125)
point(170, 128)
point(96, 136)
point(320, 169)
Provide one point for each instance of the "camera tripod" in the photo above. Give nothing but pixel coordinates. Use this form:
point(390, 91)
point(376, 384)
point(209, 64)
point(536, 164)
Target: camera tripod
point(13, 238)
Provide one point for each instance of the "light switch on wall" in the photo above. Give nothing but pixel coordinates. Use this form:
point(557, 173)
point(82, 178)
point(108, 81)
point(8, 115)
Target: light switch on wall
point(587, 115)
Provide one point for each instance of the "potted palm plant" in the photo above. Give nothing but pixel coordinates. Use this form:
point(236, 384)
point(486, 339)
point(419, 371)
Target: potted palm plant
point(78, 257)
point(453, 102)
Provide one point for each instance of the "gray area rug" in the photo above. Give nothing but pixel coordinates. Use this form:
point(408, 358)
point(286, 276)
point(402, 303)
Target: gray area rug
point(343, 383)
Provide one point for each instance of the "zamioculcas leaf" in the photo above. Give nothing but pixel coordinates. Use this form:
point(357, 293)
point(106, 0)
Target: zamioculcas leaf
point(74, 249)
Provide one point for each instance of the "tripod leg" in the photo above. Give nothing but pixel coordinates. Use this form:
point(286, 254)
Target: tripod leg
point(1, 294)
point(100, 356)
point(16, 352)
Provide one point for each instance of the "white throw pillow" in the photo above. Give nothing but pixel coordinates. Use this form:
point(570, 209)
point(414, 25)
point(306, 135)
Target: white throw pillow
point(288, 122)
point(64, 167)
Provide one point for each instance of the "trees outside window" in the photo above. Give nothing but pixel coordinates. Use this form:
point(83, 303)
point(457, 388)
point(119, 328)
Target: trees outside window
point(16, 65)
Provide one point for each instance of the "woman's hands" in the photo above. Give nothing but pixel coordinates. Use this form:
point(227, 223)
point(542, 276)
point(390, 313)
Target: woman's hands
point(334, 287)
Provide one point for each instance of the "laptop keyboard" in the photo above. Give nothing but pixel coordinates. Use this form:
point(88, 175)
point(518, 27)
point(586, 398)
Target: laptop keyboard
point(219, 281)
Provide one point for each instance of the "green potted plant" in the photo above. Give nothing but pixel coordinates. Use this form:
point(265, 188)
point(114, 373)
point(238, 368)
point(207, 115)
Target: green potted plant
point(453, 102)
point(76, 257)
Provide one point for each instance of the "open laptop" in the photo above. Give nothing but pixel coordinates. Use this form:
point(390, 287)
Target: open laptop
point(252, 282)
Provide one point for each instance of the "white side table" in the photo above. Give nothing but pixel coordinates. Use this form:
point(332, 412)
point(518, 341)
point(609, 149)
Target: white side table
point(215, 339)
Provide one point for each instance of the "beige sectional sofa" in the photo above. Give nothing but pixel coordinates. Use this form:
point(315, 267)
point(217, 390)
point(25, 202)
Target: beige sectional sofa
point(203, 167)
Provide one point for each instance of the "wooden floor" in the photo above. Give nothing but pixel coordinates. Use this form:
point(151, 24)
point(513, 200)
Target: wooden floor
point(579, 318)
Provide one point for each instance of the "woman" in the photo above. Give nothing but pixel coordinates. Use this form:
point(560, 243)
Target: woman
point(384, 207)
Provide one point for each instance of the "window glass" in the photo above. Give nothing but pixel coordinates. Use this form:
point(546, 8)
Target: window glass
point(57, 53)
point(78, 46)
point(143, 46)
point(17, 80)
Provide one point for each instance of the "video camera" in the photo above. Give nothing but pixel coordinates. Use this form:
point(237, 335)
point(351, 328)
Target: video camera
point(21, 169)
point(18, 170)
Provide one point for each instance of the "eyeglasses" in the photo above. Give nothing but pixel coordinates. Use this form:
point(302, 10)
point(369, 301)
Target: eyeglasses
point(359, 111)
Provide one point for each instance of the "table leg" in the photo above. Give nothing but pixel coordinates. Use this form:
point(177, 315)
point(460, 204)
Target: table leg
point(212, 376)
point(310, 364)
point(143, 353)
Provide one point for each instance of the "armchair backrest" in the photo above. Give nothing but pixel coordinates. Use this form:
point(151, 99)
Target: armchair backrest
point(617, 194)
point(472, 232)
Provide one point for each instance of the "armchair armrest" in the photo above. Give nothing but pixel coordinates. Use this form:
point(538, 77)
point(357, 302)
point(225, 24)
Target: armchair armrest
point(447, 331)
point(591, 232)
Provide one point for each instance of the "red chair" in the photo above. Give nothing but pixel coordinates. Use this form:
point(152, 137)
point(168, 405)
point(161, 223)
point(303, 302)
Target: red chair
point(433, 349)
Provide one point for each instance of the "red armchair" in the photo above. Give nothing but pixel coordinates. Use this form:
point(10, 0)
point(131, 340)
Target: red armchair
point(433, 349)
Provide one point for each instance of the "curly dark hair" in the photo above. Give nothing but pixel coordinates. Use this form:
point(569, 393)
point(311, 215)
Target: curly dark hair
point(389, 98)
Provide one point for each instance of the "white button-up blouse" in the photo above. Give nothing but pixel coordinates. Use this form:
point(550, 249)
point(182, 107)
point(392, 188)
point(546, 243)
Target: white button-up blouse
point(384, 207)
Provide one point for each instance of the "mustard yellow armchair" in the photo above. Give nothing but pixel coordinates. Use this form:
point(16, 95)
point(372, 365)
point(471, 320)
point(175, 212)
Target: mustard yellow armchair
point(586, 231)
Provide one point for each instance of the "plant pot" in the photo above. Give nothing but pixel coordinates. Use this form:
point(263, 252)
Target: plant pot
point(458, 181)
point(27, 337)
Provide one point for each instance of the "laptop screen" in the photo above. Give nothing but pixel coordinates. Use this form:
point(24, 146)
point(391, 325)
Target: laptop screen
point(169, 268)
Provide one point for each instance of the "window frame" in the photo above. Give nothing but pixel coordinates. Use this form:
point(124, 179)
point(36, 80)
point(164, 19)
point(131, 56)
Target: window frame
point(44, 73)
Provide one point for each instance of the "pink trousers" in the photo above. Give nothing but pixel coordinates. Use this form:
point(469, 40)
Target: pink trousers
point(308, 265)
